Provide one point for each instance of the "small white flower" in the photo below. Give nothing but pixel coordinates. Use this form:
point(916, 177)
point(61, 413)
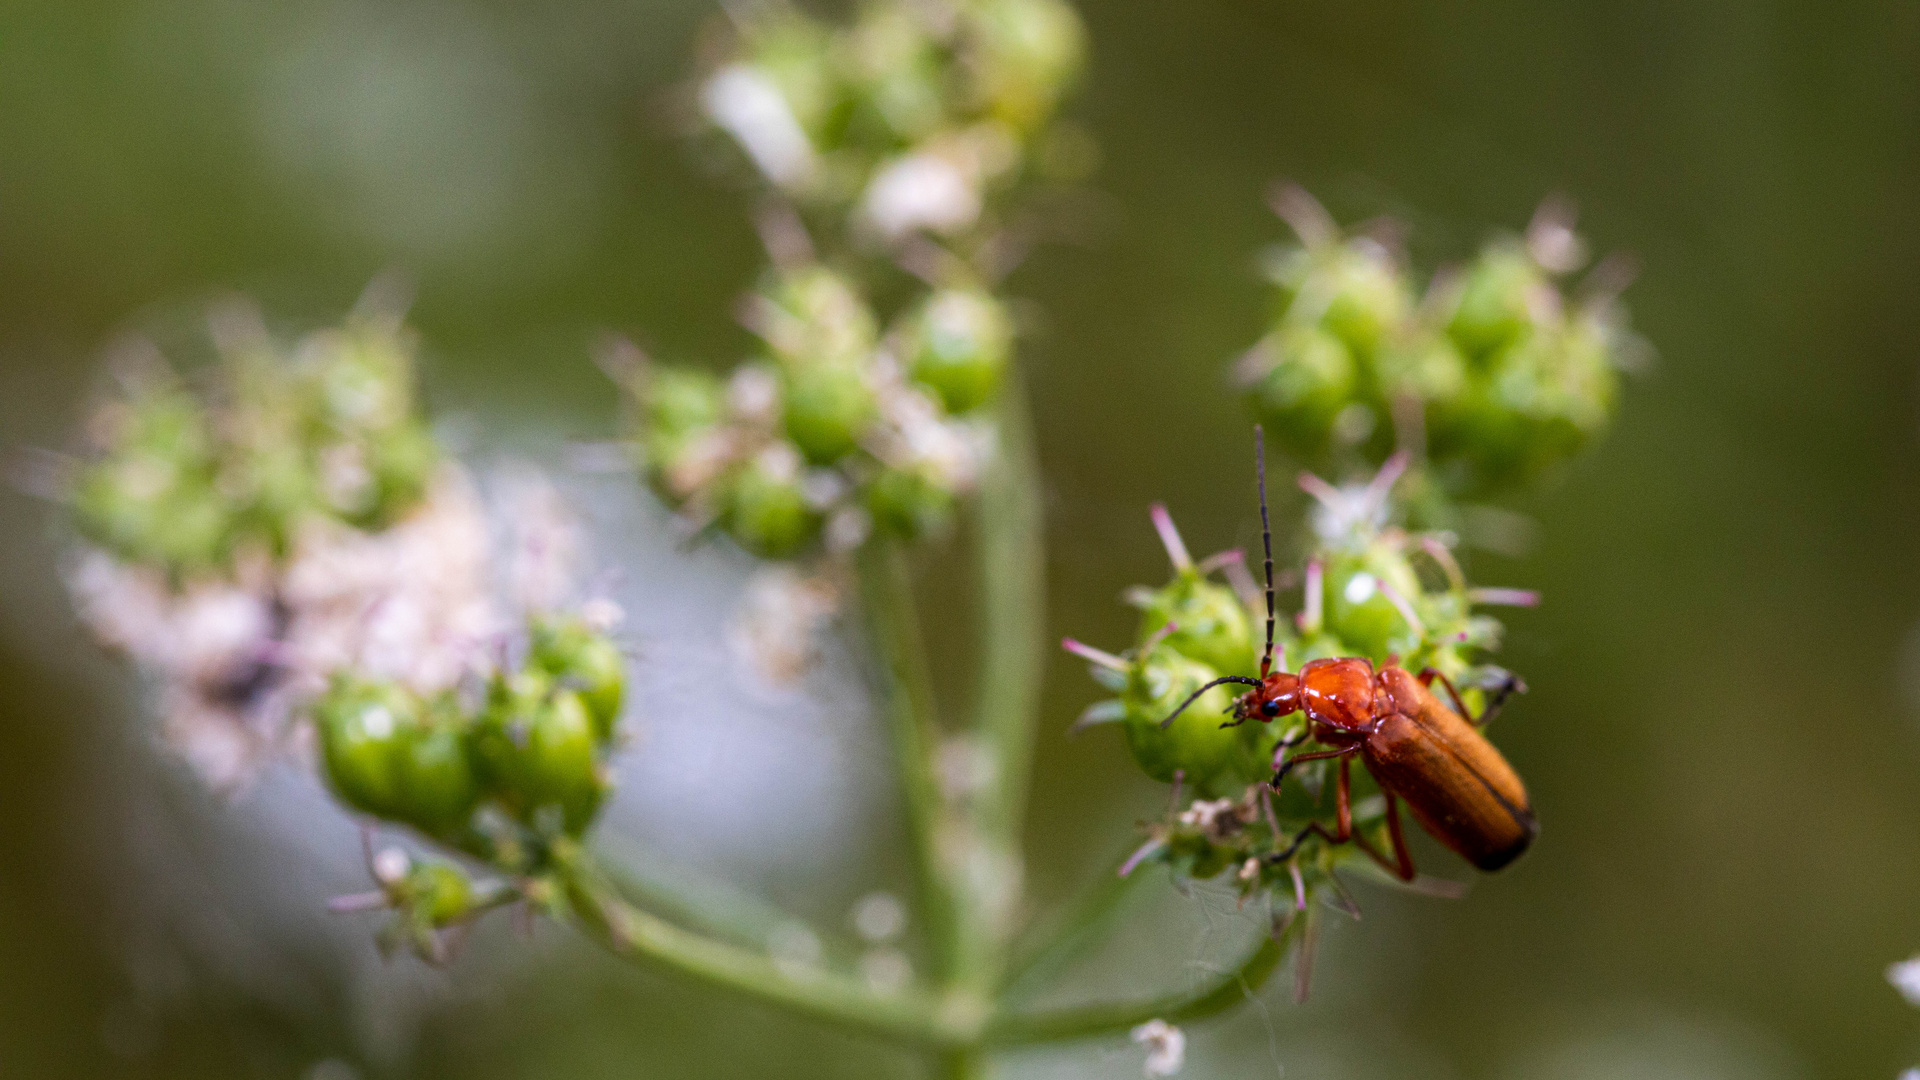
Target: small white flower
point(920, 191)
point(748, 105)
point(1905, 977)
point(1166, 1047)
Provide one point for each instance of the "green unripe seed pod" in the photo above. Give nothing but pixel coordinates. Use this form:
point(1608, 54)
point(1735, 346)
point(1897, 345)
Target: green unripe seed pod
point(362, 728)
point(438, 894)
point(1492, 311)
point(1371, 298)
point(437, 788)
point(1213, 625)
point(1031, 50)
point(962, 341)
point(1210, 758)
point(560, 766)
point(907, 503)
point(1312, 380)
point(679, 402)
point(766, 508)
point(826, 409)
point(586, 661)
point(1359, 611)
point(826, 321)
point(538, 748)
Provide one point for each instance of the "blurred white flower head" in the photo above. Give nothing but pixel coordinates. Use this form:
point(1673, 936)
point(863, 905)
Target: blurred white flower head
point(1905, 977)
point(920, 191)
point(748, 105)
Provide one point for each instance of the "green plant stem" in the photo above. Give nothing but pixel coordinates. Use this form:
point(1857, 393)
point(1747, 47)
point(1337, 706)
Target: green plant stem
point(1215, 996)
point(1068, 935)
point(887, 589)
point(1011, 549)
point(689, 898)
point(909, 1017)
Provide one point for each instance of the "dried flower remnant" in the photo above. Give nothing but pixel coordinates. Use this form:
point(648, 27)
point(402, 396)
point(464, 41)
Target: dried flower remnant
point(1166, 1047)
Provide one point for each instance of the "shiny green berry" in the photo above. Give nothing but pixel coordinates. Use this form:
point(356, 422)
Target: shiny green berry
point(437, 788)
point(826, 409)
point(962, 341)
point(1209, 757)
point(538, 749)
point(586, 661)
point(1213, 626)
point(1361, 612)
point(363, 727)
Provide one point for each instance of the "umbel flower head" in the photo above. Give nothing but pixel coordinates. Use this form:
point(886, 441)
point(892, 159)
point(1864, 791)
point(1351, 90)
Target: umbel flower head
point(1368, 589)
point(914, 117)
point(835, 430)
point(341, 570)
point(1492, 373)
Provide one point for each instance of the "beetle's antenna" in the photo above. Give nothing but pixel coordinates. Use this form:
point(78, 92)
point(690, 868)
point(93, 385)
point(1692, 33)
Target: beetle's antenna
point(1195, 696)
point(1266, 539)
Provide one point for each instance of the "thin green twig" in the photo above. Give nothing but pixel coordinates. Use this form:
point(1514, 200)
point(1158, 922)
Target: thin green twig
point(690, 898)
point(910, 1016)
point(1012, 571)
point(1217, 995)
point(887, 589)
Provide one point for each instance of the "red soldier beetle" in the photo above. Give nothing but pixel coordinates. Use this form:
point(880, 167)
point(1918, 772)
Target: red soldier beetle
point(1417, 748)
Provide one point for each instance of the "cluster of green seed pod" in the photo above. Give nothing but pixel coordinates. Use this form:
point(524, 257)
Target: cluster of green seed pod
point(1492, 373)
point(915, 113)
point(184, 480)
point(1369, 589)
point(532, 743)
point(838, 429)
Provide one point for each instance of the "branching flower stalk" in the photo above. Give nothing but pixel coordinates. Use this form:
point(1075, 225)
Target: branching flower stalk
point(282, 546)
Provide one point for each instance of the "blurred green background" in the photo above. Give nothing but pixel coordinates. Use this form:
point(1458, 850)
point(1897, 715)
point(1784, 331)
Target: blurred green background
point(1720, 738)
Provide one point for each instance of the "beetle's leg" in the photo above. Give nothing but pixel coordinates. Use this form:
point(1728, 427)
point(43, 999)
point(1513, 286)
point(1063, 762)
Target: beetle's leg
point(1343, 801)
point(1508, 687)
point(1401, 865)
point(1286, 766)
point(1499, 697)
point(1426, 677)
